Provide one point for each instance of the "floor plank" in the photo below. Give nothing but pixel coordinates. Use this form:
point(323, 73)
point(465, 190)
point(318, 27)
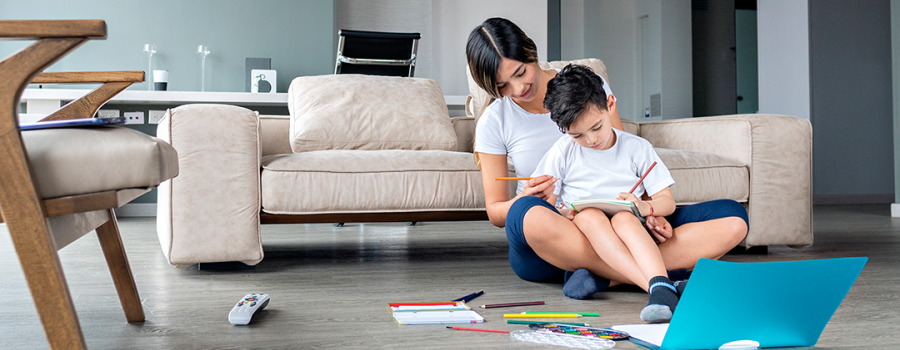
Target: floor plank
point(330, 285)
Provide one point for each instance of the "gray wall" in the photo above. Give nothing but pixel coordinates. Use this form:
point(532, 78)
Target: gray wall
point(298, 35)
point(850, 68)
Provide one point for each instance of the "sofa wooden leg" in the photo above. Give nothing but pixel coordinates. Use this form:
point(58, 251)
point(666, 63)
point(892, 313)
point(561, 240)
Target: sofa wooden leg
point(111, 242)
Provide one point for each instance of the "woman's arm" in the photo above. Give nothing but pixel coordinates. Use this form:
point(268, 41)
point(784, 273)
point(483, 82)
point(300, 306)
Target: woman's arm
point(496, 193)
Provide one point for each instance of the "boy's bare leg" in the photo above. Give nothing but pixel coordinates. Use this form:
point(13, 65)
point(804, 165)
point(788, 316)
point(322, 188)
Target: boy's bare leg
point(594, 224)
point(643, 248)
point(559, 242)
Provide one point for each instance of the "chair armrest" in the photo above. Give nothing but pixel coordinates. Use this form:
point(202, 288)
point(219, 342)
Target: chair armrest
point(465, 133)
point(778, 153)
point(210, 212)
point(88, 77)
point(93, 29)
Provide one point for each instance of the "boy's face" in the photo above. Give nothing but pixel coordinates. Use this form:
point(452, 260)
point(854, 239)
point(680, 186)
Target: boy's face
point(593, 129)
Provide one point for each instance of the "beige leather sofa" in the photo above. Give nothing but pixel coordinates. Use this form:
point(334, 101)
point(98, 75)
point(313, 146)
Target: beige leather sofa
point(368, 149)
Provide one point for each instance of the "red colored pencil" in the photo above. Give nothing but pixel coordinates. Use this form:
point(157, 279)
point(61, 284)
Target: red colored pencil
point(477, 329)
point(642, 177)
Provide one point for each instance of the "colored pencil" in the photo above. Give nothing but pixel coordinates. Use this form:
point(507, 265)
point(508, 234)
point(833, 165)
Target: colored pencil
point(469, 297)
point(585, 314)
point(541, 316)
point(476, 329)
point(447, 303)
point(512, 178)
point(545, 322)
point(642, 177)
point(527, 303)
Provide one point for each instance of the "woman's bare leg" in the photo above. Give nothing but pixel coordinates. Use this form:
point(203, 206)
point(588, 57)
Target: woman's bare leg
point(706, 239)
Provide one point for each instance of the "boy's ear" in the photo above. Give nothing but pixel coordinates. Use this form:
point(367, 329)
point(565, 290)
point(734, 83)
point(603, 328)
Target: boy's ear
point(611, 103)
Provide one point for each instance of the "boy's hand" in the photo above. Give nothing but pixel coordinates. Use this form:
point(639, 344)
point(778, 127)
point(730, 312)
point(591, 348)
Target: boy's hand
point(570, 215)
point(541, 187)
point(625, 196)
point(659, 228)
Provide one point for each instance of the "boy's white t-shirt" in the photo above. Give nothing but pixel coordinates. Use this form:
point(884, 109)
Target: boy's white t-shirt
point(586, 173)
point(505, 128)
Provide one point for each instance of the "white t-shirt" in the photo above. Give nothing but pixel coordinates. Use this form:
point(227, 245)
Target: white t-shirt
point(586, 173)
point(505, 128)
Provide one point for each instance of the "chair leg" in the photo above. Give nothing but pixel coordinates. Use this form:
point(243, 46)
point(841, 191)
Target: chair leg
point(111, 242)
point(49, 290)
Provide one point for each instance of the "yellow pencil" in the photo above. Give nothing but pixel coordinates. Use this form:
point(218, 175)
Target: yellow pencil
point(541, 315)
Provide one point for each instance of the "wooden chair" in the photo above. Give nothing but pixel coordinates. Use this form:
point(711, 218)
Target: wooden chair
point(40, 224)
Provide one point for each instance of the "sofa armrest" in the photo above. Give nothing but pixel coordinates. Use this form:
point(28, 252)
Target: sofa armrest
point(465, 133)
point(210, 212)
point(778, 152)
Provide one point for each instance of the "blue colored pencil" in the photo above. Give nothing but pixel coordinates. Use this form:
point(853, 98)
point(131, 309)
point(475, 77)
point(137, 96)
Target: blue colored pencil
point(469, 297)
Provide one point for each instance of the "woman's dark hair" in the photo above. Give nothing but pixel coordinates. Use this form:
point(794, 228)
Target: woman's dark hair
point(494, 39)
point(570, 93)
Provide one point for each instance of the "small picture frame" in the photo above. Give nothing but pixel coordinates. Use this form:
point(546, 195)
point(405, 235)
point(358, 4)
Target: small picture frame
point(263, 80)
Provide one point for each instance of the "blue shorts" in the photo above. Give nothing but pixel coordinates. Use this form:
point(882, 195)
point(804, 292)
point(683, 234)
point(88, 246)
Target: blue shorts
point(529, 266)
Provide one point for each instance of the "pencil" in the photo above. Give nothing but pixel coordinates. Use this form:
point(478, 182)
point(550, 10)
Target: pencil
point(541, 316)
point(469, 297)
point(545, 322)
point(512, 178)
point(585, 314)
point(476, 329)
point(642, 177)
point(527, 303)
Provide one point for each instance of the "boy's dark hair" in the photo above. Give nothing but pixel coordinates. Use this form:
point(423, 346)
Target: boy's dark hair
point(570, 94)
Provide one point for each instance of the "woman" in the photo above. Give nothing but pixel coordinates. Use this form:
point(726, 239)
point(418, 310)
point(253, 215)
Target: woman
point(545, 246)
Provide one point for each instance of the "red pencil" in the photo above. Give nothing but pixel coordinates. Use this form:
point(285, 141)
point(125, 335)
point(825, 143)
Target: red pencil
point(642, 177)
point(477, 329)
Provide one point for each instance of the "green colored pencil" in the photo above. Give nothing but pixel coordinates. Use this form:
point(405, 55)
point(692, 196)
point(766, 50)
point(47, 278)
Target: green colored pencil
point(543, 322)
point(583, 314)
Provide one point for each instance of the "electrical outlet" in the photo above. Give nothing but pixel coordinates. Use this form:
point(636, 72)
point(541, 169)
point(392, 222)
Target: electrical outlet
point(155, 116)
point(108, 113)
point(134, 117)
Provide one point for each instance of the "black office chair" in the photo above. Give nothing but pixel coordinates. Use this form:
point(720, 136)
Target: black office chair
point(376, 53)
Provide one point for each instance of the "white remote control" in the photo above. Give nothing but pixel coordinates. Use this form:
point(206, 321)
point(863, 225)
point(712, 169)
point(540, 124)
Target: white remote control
point(243, 311)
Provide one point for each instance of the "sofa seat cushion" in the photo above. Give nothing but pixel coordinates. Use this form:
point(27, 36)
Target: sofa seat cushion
point(345, 181)
point(72, 161)
point(701, 176)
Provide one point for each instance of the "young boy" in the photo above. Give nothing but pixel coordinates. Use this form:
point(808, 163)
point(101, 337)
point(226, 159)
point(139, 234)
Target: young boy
point(597, 161)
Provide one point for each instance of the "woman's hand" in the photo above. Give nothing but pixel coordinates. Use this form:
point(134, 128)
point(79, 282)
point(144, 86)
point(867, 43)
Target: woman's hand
point(541, 187)
point(659, 228)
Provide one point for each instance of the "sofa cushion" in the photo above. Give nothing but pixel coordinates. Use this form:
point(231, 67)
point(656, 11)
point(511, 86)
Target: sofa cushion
point(71, 161)
point(341, 181)
point(701, 176)
point(368, 113)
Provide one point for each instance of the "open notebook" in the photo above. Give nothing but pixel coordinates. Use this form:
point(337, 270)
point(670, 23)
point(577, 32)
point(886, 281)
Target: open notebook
point(774, 304)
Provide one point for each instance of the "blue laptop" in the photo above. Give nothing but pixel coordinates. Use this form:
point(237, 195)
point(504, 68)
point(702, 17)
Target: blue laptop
point(731, 305)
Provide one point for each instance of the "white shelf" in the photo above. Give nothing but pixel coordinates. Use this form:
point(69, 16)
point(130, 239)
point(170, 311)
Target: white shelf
point(182, 97)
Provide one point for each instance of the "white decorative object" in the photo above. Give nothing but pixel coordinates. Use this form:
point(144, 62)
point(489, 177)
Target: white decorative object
point(263, 81)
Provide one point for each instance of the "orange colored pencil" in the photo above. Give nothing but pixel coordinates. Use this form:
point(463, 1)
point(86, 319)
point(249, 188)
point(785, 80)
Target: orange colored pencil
point(512, 178)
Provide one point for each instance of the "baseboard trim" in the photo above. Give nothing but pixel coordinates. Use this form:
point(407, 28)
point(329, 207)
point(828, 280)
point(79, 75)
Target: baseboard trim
point(895, 210)
point(132, 210)
point(831, 199)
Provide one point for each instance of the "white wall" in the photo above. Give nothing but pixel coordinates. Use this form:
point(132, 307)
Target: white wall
point(445, 27)
point(609, 30)
point(783, 36)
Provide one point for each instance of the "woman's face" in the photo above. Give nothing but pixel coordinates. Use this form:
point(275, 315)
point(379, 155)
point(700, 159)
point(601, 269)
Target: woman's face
point(518, 80)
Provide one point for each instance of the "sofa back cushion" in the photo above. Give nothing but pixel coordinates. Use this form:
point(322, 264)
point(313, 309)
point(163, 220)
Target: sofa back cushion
point(364, 112)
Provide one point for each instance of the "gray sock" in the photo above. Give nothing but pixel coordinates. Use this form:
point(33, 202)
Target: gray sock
point(662, 301)
point(581, 284)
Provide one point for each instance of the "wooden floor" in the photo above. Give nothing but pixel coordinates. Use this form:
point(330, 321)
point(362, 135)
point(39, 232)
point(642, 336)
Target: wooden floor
point(329, 288)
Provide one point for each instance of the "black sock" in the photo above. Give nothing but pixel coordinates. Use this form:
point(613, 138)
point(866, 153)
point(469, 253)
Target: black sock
point(662, 301)
point(680, 286)
point(581, 284)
